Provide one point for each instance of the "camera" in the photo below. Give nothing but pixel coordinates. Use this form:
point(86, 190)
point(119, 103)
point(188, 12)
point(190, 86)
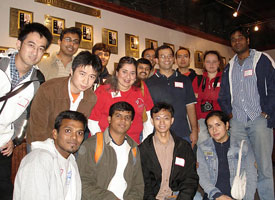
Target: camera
point(206, 107)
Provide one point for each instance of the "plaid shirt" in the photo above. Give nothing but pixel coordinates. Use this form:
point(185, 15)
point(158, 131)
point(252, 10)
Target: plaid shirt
point(15, 79)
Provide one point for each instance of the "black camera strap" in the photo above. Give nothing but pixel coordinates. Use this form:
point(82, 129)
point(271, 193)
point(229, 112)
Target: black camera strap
point(204, 83)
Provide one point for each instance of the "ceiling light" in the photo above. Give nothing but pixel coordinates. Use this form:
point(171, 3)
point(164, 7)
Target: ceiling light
point(235, 14)
point(256, 28)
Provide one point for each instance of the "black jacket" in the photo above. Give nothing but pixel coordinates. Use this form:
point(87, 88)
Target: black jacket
point(182, 179)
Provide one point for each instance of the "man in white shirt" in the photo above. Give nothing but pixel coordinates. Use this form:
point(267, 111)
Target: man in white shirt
point(49, 171)
point(109, 162)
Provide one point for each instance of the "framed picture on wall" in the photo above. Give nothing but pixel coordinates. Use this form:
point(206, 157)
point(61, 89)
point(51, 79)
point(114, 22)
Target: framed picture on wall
point(18, 18)
point(131, 45)
point(170, 45)
point(87, 35)
point(3, 49)
point(55, 25)
point(151, 43)
point(198, 56)
point(110, 38)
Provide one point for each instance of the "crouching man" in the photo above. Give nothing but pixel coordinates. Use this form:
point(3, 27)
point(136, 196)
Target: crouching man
point(109, 162)
point(50, 171)
point(168, 162)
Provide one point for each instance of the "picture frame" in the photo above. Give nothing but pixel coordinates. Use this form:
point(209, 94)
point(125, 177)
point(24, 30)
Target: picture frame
point(18, 18)
point(3, 49)
point(110, 38)
point(170, 45)
point(131, 45)
point(198, 56)
point(149, 43)
point(55, 25)
point(87, 35)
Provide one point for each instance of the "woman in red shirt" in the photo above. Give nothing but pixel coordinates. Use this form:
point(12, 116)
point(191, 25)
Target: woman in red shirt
point(206, 88)
point(122, 86)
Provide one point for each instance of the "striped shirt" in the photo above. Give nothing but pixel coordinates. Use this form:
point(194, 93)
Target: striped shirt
point(15, 78)
point(246, 99)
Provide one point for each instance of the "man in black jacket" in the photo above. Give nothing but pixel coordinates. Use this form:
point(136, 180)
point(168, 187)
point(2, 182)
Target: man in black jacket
point(168, 162)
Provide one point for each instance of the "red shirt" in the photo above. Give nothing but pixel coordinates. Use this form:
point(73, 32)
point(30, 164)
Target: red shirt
point(106, 98)
point(210, 94)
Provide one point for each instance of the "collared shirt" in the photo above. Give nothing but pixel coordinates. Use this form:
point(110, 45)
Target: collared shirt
point(165, 156)
point(176, 90)
point(15, 78)
point(246, 98)
point(74, 104)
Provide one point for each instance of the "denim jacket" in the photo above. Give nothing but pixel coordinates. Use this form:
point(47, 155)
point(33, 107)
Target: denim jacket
point(208, 166)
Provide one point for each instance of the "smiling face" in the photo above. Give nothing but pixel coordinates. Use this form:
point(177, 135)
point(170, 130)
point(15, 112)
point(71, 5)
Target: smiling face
point(69, 44)
point(126, 76)
point(217, 129)
point(162, 121)
point(104, 57)
point(82, 78)
point(120, 122)
point(165, 59)
point(30, 51)
point(211, 63)
point(183, 59)
point(143, 71)
point(69, 137)
point(239, 43)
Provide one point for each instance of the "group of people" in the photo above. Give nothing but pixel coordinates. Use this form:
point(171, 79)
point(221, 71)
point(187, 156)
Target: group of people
point(149, 131)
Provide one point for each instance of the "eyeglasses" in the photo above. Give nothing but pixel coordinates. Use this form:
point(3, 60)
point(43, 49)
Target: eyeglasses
point(163, 57)
point(68, 39)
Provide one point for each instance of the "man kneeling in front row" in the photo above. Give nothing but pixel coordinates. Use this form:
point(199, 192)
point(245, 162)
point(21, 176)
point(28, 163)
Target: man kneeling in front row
point(50, 171)
point(168, 162)
point(109, 162)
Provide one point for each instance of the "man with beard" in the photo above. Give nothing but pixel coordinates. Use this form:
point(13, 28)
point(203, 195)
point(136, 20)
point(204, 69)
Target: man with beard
point(143, 69)
point(247, 95)
point(60, 64)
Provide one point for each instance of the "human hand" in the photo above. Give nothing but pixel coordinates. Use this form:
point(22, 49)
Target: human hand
point(224, 197)
point(7, 149)
point(194, 138)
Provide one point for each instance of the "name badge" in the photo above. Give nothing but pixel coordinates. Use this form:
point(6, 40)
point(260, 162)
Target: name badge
point(248, 72)
point(115, 94)
point(179, 84)
point(180, 161)
point(208, 153)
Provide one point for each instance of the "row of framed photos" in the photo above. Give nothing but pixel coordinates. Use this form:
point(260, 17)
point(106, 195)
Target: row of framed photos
point(18, 18)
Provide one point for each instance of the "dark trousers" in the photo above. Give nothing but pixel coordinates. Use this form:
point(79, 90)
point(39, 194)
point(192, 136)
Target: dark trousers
point(6, 187)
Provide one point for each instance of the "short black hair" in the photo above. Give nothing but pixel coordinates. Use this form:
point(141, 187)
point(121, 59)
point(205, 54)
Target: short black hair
point(242, 30)
point(162, 105)
point(72, 30)
point(85, 58)
point(68, 114)
point(183, 48)
point(144, 61)
point(144, 51)
point(223, 117)
point(122, 106)
point(42, 30)
point(164, 47)
point(101, 47)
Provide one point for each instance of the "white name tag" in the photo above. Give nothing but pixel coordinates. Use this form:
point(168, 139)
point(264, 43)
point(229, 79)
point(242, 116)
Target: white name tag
point(248, 72)
point(180, 161)
point(115, 94)
point(179, 84)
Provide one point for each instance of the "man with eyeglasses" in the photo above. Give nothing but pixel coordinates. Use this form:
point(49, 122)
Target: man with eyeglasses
point(20, 80)
point(170, 86)
point(60, 64)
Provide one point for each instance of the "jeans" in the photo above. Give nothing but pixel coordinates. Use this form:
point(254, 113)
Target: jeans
point(261, 139)
point(203, 134)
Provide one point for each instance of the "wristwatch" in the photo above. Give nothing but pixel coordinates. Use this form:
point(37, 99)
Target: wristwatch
point(266, 116)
